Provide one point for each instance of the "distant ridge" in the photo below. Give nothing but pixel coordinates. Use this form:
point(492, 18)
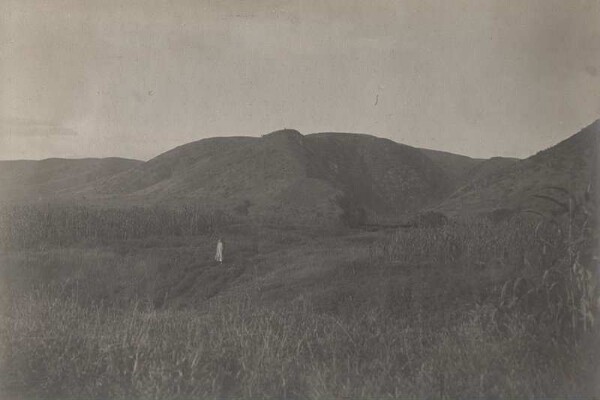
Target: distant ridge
point(571, 164)
point(286, 176)
point(462, 169)
point(319, 178)
point(30, 180)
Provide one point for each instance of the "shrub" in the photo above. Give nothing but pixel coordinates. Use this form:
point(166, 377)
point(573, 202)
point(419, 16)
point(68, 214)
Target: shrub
point(429, 219)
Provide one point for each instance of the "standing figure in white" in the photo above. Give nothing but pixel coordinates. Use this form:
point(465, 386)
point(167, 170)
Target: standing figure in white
point(219, 255)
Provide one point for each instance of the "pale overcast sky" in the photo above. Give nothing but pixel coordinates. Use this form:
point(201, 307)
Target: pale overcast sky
point(136, 78)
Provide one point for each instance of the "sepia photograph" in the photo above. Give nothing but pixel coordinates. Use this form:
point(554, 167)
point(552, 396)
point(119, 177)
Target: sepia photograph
point(299, 199)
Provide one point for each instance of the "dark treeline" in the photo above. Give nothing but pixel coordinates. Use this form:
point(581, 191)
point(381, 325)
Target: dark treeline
point(26, 226)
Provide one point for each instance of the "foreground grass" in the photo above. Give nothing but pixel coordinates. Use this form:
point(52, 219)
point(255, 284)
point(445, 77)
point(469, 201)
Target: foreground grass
point(469, 309)
point(52, 347)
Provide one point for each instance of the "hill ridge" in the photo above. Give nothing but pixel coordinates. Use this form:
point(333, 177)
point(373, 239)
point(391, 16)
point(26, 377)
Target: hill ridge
point(287, 176)
point(572, 163)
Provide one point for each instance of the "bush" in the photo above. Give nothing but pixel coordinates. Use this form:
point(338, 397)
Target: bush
point(354, 217)
point(429, 219)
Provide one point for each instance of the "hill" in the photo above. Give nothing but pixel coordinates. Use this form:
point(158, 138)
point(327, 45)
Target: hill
point(456, 166)
point(462, 169)
point(320, 178)
point(571, 164)
point(285, 176)
point(30, 180)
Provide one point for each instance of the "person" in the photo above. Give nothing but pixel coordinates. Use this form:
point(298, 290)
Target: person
point(219, 255)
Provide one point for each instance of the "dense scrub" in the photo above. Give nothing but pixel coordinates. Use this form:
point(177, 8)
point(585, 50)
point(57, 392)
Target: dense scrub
point(29, 226)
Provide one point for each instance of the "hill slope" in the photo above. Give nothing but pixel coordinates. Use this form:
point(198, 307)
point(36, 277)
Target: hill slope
point(286, 176)
point(462, 169)
point(29, 180)
point(457, 167)
point(571, 164)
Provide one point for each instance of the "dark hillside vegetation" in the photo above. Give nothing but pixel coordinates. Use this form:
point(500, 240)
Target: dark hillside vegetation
point(35, 226)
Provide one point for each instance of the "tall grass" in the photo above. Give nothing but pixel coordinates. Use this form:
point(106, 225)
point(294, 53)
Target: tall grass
point(549, 261)
point(475, 242)
point(566, 297)
point(533, 336)
point(53, 348)
point(28, 226)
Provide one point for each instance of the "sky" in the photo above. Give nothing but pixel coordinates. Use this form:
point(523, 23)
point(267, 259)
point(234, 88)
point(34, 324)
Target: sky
point(98, 78)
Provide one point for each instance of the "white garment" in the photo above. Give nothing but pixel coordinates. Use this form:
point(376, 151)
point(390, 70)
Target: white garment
point(219, 255)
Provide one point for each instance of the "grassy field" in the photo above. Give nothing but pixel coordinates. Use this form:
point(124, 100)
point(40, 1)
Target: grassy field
point(470, 309)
